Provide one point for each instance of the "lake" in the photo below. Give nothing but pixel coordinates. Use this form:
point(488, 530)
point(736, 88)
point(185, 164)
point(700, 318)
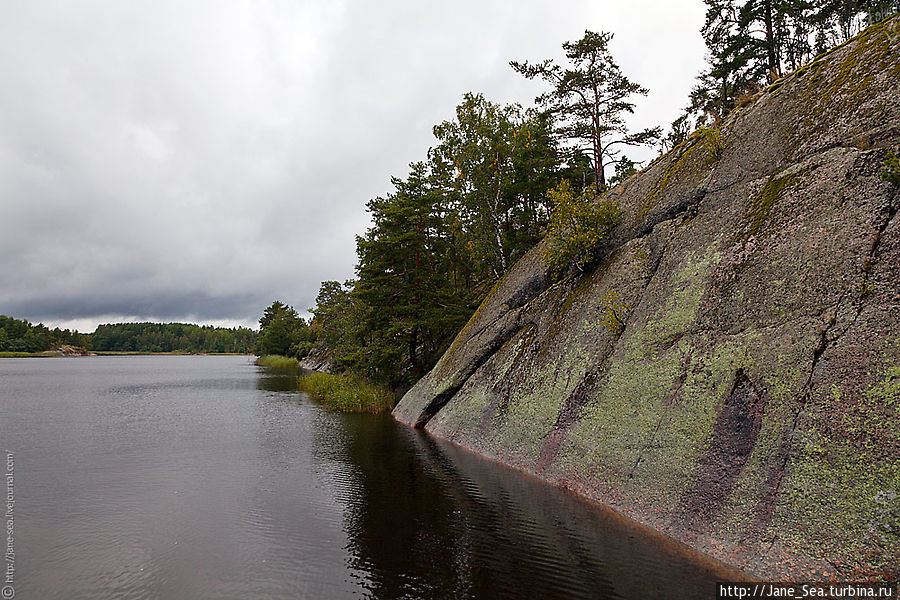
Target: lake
point(194, 477)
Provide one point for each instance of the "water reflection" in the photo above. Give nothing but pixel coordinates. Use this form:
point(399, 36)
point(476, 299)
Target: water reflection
point(274, 379)
point(427, 519)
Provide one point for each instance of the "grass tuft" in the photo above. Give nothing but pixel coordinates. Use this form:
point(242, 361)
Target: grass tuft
point(277, 361)
point(347, 393)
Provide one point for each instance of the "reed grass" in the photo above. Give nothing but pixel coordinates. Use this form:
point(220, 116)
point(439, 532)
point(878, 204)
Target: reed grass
point(347, 393)
point(277, 361)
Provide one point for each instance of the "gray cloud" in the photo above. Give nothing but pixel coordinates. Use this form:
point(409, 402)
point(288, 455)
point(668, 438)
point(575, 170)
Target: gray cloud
point(171, 160)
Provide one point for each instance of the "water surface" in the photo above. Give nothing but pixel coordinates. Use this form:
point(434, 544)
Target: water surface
point(207, 477)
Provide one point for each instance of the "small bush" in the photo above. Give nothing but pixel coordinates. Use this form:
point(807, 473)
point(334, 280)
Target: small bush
point(713, 141)
point(865, 288)
point(614, 312)
point(347, 393)
point(277, 361)
point(891, 172)
point(577, 226)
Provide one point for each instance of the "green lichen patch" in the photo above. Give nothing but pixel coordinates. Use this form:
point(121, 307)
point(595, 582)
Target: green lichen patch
point(643, 259)
point(692, 160)
point(842, 499)
point(513, 400)
point(780, 362)
point(642, 378)
point(679, 310)
point(762, 204)
point(656, 417)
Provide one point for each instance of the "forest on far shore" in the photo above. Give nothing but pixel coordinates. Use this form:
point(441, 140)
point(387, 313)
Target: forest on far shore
point(18, 335)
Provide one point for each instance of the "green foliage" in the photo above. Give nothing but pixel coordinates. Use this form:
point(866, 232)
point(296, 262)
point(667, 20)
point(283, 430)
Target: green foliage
point(282, 332)
point(577, 226)
point(589, 99)
point(891, 173)
point(171, 337)
point(880, 11)
point(348, 393)
point(751, 43)
point(444, 235)
point(277, 361)
point(23, 337)
point(337, 323)
point(491, 169)
point(614, 312)
point(713, 141)
point(625, 168)
point(410, 300)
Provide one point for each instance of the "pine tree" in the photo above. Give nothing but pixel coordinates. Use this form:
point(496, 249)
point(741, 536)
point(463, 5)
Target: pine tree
point(589, 99)
point(400, 277)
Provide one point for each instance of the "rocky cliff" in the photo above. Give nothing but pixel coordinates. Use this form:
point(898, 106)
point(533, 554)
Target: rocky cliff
point(729, 372)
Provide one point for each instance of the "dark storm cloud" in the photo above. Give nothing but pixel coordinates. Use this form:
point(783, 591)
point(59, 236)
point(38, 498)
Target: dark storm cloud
point(157, 306)
point(175, 160)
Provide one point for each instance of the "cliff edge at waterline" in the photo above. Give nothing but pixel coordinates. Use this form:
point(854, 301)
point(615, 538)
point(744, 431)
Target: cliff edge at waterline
point(729, 371)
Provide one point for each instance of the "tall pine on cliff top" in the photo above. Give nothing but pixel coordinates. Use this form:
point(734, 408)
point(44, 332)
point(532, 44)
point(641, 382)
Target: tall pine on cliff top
point(589, 100)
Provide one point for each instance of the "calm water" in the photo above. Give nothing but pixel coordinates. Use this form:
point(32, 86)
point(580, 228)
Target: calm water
point(207, 477)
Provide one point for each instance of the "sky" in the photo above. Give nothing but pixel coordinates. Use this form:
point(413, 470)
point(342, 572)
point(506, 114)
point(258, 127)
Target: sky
point(194, 160)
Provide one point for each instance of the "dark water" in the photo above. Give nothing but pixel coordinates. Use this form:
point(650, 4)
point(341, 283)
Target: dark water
point(207, 477)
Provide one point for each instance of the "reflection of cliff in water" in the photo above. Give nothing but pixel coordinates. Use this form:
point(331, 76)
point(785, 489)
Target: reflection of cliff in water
point(274, 379)
point(427, 519)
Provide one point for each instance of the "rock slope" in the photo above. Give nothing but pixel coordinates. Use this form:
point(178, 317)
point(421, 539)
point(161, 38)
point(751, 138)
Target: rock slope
point(729, 372)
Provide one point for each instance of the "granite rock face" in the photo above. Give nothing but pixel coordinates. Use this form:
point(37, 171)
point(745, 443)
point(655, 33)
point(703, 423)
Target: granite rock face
point(729, 372)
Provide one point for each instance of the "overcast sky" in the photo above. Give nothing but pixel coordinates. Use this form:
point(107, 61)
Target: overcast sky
point(194, 160)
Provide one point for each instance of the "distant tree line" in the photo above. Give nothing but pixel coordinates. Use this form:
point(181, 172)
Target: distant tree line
point(171, 337)
point(21, 336)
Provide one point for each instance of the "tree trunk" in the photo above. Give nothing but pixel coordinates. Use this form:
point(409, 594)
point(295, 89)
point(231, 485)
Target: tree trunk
point(599, 175)
point(413, 345)
point(772, 54)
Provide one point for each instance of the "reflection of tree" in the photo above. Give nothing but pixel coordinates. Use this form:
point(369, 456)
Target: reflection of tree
point(403, 526)
point(426, 519)
point(272, 379)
